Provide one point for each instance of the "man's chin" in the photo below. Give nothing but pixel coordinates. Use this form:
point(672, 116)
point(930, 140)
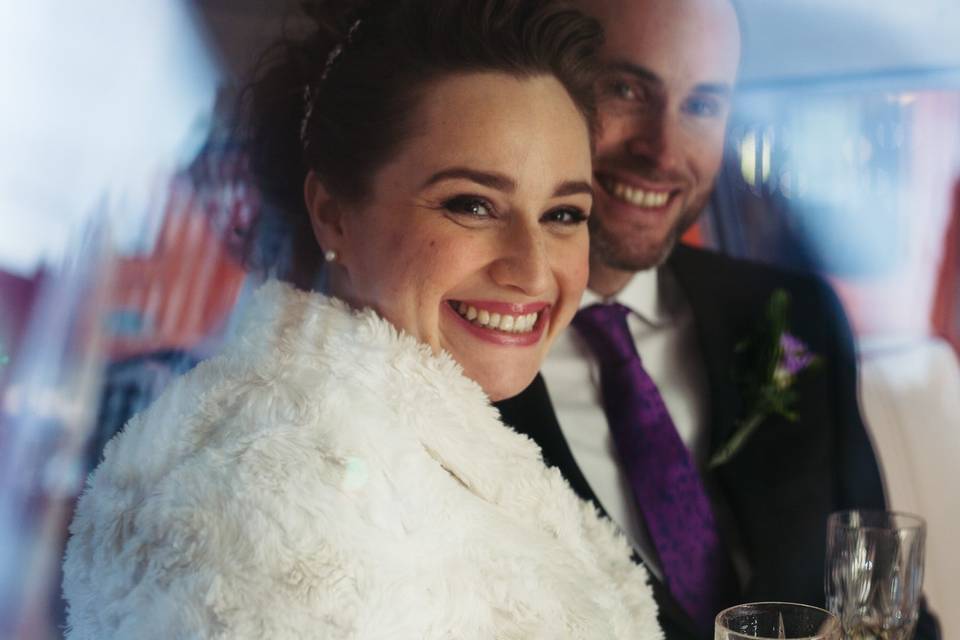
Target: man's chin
point(613, 254)
point(638, 251)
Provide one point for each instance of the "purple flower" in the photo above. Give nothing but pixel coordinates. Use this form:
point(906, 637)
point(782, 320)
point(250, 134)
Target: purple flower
point(796, 355)
point(794, 358)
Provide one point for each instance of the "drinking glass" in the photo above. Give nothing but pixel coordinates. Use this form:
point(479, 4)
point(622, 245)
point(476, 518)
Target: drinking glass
point(874, 572)
point(776, 620)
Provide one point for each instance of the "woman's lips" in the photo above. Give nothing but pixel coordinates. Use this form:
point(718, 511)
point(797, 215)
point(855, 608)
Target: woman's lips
point(501, 322)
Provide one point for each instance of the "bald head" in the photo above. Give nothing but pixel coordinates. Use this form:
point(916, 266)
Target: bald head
point(670, 67)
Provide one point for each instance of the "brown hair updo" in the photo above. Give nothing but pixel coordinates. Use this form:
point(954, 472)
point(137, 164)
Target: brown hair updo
point(361, 102)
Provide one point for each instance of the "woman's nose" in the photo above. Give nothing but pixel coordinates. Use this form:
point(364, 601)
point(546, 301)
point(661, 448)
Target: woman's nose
point(523, 263)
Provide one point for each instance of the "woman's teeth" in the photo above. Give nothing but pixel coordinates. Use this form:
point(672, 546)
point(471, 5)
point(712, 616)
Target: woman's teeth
point(498, 321)
point(636, 196)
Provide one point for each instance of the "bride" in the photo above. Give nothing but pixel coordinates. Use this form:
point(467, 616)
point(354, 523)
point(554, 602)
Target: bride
point(338, 471)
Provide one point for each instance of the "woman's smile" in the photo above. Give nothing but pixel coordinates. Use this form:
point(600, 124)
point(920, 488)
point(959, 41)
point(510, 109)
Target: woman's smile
point(501, 323)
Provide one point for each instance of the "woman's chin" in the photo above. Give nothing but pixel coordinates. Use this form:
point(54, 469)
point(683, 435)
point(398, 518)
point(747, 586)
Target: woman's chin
point(502, 363)
point(501, 384)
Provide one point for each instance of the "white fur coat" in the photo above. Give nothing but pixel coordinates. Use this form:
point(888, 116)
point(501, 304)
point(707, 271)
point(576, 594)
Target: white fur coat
point(327, 477)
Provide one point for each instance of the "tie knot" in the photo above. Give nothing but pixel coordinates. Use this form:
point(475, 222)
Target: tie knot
point(604, 328)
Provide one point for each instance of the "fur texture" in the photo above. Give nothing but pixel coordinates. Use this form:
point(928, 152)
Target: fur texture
point(328, 477)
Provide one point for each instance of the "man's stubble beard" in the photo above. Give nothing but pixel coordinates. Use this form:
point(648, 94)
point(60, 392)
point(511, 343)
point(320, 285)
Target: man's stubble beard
point(612, 250)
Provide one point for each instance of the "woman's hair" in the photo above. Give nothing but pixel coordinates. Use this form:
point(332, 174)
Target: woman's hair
point(341, 101)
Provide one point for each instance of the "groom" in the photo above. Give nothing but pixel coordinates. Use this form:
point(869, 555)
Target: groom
point(645, 388)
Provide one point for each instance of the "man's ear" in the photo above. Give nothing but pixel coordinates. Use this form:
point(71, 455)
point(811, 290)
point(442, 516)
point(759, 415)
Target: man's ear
point(325, 214)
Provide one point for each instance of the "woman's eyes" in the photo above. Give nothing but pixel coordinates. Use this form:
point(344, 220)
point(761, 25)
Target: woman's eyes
point(470, 206)
point(566, 216)
point(475, 208)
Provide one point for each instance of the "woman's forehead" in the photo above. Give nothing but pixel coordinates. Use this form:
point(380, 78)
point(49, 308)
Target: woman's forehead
point(500, 121)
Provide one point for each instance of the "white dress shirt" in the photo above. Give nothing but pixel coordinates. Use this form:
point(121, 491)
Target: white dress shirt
point(663, 330)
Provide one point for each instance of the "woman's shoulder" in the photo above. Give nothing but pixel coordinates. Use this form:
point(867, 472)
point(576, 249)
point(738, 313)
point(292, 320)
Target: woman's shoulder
point(249, 463)
point(305, 394)
point(298, 363)
point(290, 444)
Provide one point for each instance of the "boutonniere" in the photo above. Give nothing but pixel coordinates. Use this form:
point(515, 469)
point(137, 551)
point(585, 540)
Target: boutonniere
point(766, 367)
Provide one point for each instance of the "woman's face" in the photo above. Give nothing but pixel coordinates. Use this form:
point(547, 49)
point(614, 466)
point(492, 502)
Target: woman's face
point(474, 238)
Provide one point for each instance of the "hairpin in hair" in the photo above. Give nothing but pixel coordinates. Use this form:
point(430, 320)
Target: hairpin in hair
point(307, 112)
point(308, 93)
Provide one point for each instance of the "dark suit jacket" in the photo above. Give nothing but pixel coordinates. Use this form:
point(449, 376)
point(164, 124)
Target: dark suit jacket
point(773, 498)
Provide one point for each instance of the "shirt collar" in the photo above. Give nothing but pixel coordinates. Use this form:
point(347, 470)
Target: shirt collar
point(642, 295)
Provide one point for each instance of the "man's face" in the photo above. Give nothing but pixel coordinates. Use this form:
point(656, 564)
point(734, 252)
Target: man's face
point(663, 101)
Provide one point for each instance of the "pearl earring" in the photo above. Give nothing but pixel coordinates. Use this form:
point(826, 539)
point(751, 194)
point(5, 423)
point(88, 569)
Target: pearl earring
point(330, 255)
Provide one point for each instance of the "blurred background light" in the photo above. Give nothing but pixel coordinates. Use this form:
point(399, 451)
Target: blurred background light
point(787, 40)
point(101, 100)
point(103, 103)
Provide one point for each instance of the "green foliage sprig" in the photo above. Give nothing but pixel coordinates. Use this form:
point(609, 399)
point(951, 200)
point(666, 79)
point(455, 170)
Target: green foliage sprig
point(766, 366)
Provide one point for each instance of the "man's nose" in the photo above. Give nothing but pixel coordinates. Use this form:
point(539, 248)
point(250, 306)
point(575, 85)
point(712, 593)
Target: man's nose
point(523, 263)
point(656, 141)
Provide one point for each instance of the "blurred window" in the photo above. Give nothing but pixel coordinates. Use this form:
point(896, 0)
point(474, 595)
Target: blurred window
point(853, 180)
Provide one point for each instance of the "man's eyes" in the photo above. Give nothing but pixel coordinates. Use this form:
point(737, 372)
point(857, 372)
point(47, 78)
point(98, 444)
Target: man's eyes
point(625, 91)
point(703, 106)
point(622, 89)
point(628, 93)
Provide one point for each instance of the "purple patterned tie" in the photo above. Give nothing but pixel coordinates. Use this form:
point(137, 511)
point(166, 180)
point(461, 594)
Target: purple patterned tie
point(666, 485)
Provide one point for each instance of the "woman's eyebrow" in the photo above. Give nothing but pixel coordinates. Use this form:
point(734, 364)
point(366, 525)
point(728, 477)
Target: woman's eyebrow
point(573, 187)
point(501, 182)
point(491, 179)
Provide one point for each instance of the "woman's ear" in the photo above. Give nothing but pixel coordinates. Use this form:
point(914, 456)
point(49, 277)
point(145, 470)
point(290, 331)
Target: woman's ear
point(325, 214)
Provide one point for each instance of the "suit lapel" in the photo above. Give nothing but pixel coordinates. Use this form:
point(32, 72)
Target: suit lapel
point(531, 413)
point(717, 337)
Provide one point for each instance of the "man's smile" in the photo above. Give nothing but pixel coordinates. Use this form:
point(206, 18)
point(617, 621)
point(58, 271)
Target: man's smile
point(644, 197)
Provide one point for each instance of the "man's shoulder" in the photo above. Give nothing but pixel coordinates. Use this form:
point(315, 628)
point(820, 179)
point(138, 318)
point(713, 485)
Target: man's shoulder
point(712, 264)
point(733, 293)
point(741, 281)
